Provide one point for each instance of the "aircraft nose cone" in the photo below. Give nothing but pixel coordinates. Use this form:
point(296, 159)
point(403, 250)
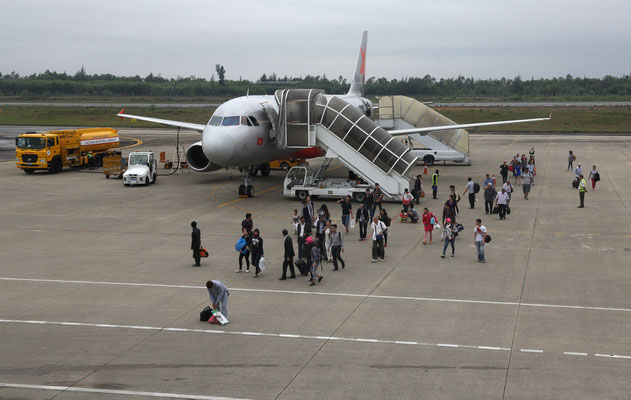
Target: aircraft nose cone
point(219, 146)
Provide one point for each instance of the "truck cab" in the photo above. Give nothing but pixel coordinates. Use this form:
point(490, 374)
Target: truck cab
point(141, 169)
point(35, 151)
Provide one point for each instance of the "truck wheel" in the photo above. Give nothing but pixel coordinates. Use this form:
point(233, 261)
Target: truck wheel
point(359, 197)
point(250, 191)
point(302, 195)
point(284, 166)
point(107, 177)
point(155, 178)
point(428, 160)
point(126, 184)
point(55, 167)
point(29, 171)
point(148, 180)
point(265, 169)
point(167, 166)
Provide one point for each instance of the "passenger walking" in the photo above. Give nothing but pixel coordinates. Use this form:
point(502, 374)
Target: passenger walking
point(530, 168)
point(429, 220)
point(196, 243)
point(337, 247)
point(517, 172)
point(327, 241)
point(377, 197)
point(378, 229)
point(320, 228)
point(315, 261)
point(218, 294)
point(247, 223)
point(452, 208)
point(578, 171)
point(308, 212)
point(479, 238)
point(594, 176)
point(471, 190)
point(362, 217)
point(304, 231)
point(418, 188)
point(288, 256)
point(489, 198)
point(347, 211)
point(449, 236)
point(504, 172)
point(456, 196)
point(256, 248)
point(406, 199)
point(501, 202)
point(368, 200)
point(488, 180)
point(295, 220)
point(242, 247)
point(383, 217)
point(509, 189)
point(531, 153)
point(448, 213)
point(570, 161)
point(525, 184)
point(524, 164)
point(435, 184)
point(582, 188)
point(323, 211)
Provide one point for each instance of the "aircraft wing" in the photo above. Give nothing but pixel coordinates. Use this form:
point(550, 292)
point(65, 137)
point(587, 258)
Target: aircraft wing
point(168, 122)
point(400, 132)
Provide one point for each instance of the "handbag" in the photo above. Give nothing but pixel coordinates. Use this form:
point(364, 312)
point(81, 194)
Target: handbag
point(262, 264)
point(507, 210)
point(487, 239)
point(203, 252)
point(422, 193)
point(352, 223)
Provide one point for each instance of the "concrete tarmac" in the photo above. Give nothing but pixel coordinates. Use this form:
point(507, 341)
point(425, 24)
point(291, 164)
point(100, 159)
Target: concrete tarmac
point(98, 299)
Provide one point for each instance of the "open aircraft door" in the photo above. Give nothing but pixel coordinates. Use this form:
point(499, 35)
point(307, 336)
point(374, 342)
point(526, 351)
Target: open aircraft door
point(272, 115)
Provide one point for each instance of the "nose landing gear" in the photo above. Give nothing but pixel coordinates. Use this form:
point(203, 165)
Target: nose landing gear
point(246, 190)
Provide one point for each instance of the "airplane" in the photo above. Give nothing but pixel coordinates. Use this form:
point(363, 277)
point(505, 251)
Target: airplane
point(240, 133)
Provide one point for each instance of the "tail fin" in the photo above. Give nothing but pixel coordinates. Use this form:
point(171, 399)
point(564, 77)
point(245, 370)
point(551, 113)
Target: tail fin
point(359, 76)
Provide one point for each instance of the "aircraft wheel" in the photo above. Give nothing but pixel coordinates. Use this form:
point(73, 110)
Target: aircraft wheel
point(250, 191)
point(155, 178)
point(242, 191)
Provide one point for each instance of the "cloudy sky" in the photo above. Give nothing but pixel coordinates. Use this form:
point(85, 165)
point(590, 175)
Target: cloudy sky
point(478, 38)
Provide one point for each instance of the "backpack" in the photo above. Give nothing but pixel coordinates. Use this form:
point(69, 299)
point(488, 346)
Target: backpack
point(476, 187)
point(206, 314)
point(241, 243)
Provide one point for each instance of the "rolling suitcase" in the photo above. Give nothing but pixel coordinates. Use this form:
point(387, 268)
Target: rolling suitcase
point(302, 267)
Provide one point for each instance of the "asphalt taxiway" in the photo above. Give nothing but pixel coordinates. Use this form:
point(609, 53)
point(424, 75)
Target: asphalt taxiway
point(98, 298)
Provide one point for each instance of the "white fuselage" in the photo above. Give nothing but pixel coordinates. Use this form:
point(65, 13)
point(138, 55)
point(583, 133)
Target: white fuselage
point(238, 133)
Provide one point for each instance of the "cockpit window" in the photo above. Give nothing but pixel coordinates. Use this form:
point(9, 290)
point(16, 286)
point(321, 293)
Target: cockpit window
point(254, 121)
point(215, 121)
point(245, 121)
point(230, 121)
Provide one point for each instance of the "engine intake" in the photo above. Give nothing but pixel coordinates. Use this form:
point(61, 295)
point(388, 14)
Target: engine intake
point(197, 160)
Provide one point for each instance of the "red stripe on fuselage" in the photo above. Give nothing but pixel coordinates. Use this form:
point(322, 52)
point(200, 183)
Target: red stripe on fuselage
point(311, 152)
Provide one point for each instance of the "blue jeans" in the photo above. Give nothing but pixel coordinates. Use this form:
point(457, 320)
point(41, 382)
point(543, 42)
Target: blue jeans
point(447, 241)
point(314, 270)
point(345, 219)
point(480, 247)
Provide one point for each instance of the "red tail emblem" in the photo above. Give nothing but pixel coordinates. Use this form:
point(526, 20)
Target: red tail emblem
point(259, 141)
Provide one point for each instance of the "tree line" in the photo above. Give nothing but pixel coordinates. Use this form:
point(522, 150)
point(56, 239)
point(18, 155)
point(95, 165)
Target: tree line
point(83, 84)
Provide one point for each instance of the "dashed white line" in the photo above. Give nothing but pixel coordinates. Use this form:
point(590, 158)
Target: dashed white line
point(243, 333)
point(301, 292)
point(531, 351)
point(574, 353)
point(111, 391)
point(613, 356)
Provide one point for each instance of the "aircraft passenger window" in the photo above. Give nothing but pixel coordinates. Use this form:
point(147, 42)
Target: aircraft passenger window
point(230, 121)
point(215, 121)
point(254, 121)
point(245, 121)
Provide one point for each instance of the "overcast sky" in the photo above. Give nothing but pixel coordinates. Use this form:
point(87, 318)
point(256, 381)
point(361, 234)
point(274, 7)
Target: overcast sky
point(479, 38)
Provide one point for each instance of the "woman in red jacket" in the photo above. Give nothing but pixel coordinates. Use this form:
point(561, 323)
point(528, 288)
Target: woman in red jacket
point(429, 220)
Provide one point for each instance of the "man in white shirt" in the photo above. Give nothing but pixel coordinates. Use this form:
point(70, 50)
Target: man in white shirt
point(578, 171)
point(471, 189)
point(500, 202)
point(479, 237)
point(378, 228)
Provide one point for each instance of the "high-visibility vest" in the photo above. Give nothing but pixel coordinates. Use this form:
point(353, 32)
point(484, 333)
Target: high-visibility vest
point(435, 179)
point(582, 186)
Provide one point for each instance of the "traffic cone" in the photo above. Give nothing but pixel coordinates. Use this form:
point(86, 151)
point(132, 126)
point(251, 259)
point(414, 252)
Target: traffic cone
point(425, 170)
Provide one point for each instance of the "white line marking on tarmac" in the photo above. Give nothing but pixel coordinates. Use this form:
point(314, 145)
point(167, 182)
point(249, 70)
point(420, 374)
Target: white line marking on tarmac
point(613, 356)
point(370, 296)
point(279, 335)
point(573, 353)
point(110, 391)
point(531, 351)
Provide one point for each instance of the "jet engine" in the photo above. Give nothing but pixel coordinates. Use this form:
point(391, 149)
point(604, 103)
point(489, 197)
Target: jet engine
point(197, 160)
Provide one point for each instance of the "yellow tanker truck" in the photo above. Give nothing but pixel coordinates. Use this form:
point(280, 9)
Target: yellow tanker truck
point(54, 150)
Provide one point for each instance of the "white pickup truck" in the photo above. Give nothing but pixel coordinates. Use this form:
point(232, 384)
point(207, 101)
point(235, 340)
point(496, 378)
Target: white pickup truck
point(142, 169)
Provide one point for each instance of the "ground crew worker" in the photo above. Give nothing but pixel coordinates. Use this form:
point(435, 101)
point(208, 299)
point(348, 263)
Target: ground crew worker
point(196, 243)
point(435, 183)
point(582, 188)
point(218, 296)
point(532, 155)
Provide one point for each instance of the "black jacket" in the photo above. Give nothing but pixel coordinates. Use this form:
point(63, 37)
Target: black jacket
point(307, 230)
point(417, 186)
point(363, 212)
point(320, 224)
point(503, 169)
point(256, 245)
point(289, 247)
point(196, 239)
